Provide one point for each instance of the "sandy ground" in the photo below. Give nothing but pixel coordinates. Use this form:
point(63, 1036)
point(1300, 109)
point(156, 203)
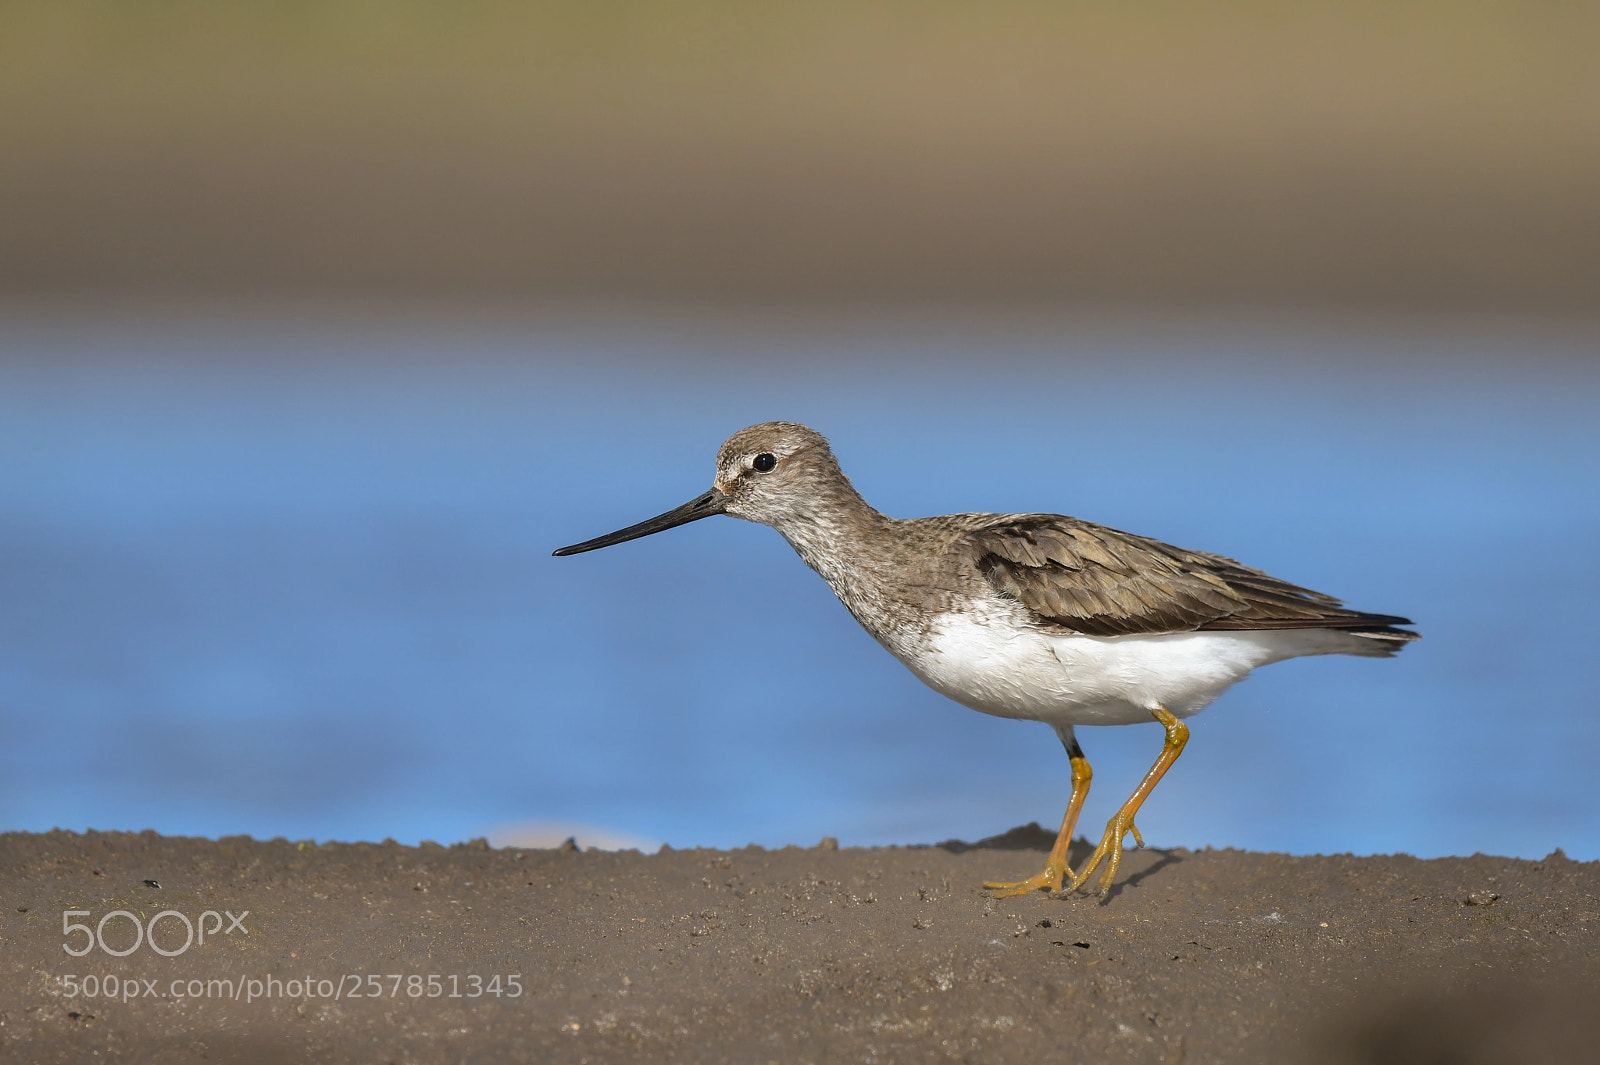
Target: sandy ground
point(792, 955)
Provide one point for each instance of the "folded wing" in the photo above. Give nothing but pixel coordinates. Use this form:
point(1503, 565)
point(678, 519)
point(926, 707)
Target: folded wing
point(1102, 582)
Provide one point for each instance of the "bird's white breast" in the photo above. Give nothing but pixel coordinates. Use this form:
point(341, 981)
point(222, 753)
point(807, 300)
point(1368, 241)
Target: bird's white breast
point(992, 661)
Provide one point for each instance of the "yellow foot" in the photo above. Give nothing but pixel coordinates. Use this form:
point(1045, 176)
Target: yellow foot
point(1049, 880)
point(1109, 851)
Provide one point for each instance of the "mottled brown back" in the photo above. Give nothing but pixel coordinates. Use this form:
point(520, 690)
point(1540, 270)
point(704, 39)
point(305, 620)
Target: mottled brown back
point(1102, 582)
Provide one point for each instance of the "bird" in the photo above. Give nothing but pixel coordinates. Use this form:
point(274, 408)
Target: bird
point(1039, 617)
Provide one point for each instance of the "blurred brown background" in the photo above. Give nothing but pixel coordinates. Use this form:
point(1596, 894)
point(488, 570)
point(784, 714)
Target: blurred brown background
point(1380, 156)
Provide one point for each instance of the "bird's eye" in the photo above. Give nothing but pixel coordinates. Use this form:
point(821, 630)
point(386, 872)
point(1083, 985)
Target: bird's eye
point(764, 462)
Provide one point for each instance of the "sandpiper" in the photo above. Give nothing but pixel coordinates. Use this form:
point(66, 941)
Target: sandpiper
point(1034, 616)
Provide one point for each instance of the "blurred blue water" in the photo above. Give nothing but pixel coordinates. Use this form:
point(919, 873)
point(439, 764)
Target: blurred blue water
point(294, 579)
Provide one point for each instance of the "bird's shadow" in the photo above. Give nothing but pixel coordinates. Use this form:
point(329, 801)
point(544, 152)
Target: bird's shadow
point(1034, 837)
point(1164, 859)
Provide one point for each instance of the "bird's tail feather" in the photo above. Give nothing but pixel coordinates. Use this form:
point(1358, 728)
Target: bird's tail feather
point(1384, 641)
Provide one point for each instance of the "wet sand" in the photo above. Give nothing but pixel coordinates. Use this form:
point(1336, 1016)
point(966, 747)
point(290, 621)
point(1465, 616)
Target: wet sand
point(796, 954)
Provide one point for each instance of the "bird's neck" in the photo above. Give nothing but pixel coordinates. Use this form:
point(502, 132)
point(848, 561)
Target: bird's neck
point(840, 536)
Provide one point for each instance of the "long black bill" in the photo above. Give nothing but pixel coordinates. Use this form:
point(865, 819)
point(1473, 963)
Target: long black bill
point(713, 502)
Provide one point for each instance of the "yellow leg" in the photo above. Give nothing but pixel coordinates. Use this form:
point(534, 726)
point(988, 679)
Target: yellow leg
point(1055, 867)
point(1110, 848)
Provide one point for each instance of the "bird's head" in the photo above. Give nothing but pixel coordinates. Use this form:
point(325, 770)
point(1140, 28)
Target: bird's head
point(772, 473)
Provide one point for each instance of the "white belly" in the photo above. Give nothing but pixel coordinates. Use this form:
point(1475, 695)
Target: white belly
point(994, 665)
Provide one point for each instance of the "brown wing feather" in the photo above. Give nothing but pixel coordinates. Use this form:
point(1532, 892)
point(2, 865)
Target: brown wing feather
point(1102, 582)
